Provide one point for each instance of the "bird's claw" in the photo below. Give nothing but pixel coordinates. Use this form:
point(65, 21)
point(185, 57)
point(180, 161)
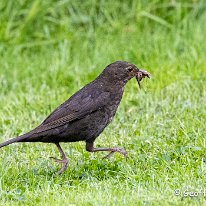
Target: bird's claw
point(56, 160)
point(63, 161)
point(121, 151)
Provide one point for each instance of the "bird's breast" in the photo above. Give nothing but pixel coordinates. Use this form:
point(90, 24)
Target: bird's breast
point(112, 106)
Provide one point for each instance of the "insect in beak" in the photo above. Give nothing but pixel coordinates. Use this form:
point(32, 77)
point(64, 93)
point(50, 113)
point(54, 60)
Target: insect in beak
point(140, 75)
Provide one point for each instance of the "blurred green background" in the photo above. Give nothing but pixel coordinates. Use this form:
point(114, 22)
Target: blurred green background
point(50, 49)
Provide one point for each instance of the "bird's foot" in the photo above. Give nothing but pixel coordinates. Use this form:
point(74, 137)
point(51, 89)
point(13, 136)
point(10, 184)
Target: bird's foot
point(90, 148)
point(113, 150)
point(64, 163)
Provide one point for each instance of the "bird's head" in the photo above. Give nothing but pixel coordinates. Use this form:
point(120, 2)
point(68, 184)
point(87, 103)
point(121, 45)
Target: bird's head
point(121, 71)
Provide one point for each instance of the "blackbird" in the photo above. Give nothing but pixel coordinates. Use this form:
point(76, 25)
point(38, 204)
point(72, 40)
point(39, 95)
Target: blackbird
point(86, 113)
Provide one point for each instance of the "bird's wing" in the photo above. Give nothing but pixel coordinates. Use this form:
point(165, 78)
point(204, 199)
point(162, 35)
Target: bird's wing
point(77, 107)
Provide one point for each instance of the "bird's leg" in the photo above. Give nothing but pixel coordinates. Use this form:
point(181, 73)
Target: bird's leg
point(63, 161)
point(90, 148)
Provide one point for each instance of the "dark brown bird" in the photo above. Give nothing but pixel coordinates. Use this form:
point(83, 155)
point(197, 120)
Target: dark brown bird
point(86, 113)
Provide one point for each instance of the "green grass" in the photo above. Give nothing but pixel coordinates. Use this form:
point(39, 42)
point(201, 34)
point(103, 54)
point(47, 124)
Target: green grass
point(50, 49)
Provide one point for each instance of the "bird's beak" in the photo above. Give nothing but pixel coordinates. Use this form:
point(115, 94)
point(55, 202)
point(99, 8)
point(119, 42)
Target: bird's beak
point(140, 74)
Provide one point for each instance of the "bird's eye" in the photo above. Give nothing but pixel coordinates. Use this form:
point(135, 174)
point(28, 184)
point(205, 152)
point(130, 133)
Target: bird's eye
point(129, 69)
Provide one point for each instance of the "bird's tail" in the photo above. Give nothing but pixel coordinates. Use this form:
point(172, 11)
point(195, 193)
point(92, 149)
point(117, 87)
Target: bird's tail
point(21, 138)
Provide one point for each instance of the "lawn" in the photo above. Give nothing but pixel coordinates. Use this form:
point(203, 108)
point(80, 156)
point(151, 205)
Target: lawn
point(50, 49)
